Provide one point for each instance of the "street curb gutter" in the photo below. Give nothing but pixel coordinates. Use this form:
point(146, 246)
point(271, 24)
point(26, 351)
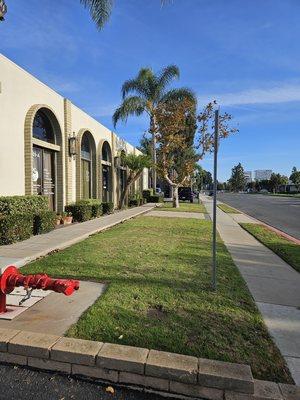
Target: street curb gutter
point(272, 228)
point(164, 373)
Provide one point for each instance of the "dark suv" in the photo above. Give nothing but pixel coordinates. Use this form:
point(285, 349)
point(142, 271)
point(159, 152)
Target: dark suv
point(185, 193)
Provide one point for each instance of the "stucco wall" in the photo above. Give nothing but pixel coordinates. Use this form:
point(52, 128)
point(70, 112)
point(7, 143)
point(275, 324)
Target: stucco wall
point(19, 92)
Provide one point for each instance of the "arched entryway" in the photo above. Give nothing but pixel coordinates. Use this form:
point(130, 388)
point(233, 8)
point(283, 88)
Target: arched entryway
point(86, 166)
point(106, 172)
point(44, 156)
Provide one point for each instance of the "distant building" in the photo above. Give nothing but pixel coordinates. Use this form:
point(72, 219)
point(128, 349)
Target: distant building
point(262, 174)
point(248, 176)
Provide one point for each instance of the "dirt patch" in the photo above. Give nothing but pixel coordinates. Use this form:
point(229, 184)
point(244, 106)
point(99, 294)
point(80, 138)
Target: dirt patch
point(157, 312)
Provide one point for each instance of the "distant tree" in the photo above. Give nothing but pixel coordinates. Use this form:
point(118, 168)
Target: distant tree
point(176, 159)
point(144, 94)
point(221, 186)
point(277, 180)
point(295, 176)
point(202, 178)
point(237, 179)
point(251, 185)
point(135, 165)
point(180, 146)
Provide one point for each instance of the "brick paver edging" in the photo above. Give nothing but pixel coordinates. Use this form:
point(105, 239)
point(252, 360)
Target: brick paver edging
point(151, 370)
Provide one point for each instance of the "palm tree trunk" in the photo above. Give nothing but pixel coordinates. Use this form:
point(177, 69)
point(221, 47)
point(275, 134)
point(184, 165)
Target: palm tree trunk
point(154, 159)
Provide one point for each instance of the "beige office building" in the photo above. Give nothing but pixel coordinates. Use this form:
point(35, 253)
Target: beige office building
point(51, 147)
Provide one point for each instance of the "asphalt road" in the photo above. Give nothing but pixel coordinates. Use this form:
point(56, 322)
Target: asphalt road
point(280, 212)
point(17, 383)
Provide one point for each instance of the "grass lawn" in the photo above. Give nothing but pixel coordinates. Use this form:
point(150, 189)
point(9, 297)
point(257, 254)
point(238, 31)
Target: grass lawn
point(183, 206)
point(286, 249)
point(159, 296)
point(227, 209)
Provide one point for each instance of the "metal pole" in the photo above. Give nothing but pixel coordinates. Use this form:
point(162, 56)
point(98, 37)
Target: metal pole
point(214, 244)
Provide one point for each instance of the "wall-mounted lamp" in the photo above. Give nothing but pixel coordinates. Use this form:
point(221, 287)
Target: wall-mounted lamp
point(72, 145)
point(3, 10)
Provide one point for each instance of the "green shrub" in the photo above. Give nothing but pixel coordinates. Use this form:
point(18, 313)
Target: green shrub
point(81, 211)
point(15, 227)
point(44, 222)
point(156, 199)
point(147, 193)
point(108, 208)
point(10, 205)
point(134, 203)
point(96, 206)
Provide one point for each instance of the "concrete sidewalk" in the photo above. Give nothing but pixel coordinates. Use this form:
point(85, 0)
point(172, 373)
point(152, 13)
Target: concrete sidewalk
point(22, 253)
point(274, 285)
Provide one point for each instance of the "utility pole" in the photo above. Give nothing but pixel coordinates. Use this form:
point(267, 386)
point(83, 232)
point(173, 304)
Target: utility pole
point(214, 241)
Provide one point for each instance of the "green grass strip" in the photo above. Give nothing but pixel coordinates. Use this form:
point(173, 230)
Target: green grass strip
point(227, 209)
point(287, 250)
point(183, 207)
point(158, 273)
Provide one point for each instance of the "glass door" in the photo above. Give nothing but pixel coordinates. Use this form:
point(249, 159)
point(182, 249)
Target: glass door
point(43, 174)
point(105, 183)
point(48, 177)
point(86, 178)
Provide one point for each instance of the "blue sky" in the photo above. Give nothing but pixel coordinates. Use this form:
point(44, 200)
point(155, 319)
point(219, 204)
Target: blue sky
point(244, 53)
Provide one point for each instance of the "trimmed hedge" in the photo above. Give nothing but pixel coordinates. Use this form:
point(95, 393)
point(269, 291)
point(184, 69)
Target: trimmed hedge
point(108, 208)
point(81, 211)
point(10, 205)
point(96, 206)
point(15, 227)
point(156, 199)
point(134, 203)
point(44, 222)
point(147, 193)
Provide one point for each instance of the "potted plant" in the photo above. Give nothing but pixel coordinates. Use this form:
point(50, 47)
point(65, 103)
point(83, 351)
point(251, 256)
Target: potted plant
point(67, 218)
point(58, 219)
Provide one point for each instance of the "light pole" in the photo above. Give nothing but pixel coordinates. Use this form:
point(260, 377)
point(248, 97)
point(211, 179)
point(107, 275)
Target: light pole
point(3, 9)
point(214, 244)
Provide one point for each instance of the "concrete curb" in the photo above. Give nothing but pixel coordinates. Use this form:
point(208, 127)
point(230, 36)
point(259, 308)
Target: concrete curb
point(148, 370)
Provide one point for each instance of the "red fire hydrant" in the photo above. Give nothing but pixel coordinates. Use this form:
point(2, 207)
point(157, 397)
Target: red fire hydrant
point(12, 278)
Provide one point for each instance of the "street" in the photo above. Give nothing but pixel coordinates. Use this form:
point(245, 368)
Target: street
point(280, 212)
point(19, 383)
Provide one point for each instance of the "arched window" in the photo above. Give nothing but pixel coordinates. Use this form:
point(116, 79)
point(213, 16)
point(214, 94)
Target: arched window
point(106, 153)
point(42, 128)
point(86, 151)
point(46, 155)
point(87, 166)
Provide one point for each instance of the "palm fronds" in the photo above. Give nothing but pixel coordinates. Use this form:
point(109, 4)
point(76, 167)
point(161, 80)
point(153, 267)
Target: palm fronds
point(100, 10)
point(133, 105)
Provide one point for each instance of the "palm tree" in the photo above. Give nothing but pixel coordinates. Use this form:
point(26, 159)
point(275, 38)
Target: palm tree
point(3, 10)
point(135, 165)
point(149, 90)
point(100, 10)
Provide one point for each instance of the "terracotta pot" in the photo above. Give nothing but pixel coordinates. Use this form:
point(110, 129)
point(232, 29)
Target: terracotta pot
point(67, 220)
point(58, 221)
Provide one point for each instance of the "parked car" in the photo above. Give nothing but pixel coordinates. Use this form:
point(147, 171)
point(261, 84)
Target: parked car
point(186, 194)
